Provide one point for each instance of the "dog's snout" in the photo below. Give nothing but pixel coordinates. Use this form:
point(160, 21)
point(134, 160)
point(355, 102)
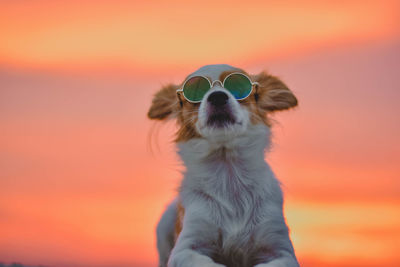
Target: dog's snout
point(218, 98)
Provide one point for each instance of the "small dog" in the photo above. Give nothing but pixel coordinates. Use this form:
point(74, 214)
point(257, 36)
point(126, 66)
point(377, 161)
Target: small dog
point(229, 208)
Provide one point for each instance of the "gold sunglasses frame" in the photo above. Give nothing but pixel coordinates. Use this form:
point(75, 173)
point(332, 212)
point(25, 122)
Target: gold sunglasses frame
point(178, 91)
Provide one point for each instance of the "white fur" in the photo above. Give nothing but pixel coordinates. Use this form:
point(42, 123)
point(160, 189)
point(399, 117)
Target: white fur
point(232, 200)
point(165, 232)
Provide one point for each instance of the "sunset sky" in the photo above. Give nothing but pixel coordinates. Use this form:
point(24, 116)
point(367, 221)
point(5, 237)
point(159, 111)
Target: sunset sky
point(84, 175)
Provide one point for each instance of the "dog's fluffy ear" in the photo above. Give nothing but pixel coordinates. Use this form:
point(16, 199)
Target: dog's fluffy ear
point(165, 103)
point(273, 94)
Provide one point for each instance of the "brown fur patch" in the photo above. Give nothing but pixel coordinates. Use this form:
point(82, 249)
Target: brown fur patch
point(257, 114)
point(273, 94)
point(187, 119)
point(165, 103)
point(179, 220)
point(223, 75)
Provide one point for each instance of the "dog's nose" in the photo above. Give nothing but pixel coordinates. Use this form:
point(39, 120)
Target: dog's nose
point(218, 98)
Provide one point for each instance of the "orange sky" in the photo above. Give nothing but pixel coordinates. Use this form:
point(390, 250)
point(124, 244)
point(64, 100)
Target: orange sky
point(156, 34)
point(83, 184)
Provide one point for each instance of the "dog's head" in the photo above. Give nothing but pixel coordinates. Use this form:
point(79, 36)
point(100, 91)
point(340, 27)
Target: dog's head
point(225, 109)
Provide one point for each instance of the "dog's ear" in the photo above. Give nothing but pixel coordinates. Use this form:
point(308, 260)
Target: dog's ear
point(272, 94)
point(165, 103)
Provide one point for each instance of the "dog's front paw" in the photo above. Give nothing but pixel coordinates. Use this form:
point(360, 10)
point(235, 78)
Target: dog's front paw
point(279, 263)
point(190, 258)
point(200, 265)
point(270, 264)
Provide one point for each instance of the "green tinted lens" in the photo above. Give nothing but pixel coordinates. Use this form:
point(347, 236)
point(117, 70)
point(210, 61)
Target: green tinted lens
point(195, 88)
point(239, 85)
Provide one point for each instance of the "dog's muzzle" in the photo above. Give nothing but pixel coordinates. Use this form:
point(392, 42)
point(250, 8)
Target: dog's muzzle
point(219, 111)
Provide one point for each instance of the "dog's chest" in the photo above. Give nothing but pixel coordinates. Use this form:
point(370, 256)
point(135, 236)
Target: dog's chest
point(236, 247)
point(231, 190)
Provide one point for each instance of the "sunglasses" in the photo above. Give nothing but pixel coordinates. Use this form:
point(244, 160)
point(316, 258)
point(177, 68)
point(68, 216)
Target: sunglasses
point(238, 84)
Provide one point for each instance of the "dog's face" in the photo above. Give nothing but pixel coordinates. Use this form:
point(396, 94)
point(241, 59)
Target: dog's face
point(219, 115)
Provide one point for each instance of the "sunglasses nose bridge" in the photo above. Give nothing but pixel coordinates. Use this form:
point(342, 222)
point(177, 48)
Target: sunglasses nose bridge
point(216, 81)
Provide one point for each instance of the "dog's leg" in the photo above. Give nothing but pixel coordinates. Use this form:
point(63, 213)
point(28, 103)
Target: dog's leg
point(196, 242)
point(165, 233)
point(285, 260)
point(191, 258)
point(273, 234)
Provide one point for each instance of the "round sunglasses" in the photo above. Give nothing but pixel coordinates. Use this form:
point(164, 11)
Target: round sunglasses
point(238, 84)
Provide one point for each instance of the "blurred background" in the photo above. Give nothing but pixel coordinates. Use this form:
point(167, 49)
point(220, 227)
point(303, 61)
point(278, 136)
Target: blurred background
point(84, 175)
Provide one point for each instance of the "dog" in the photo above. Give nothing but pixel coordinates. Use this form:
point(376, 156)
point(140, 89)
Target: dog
point(228, 211)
